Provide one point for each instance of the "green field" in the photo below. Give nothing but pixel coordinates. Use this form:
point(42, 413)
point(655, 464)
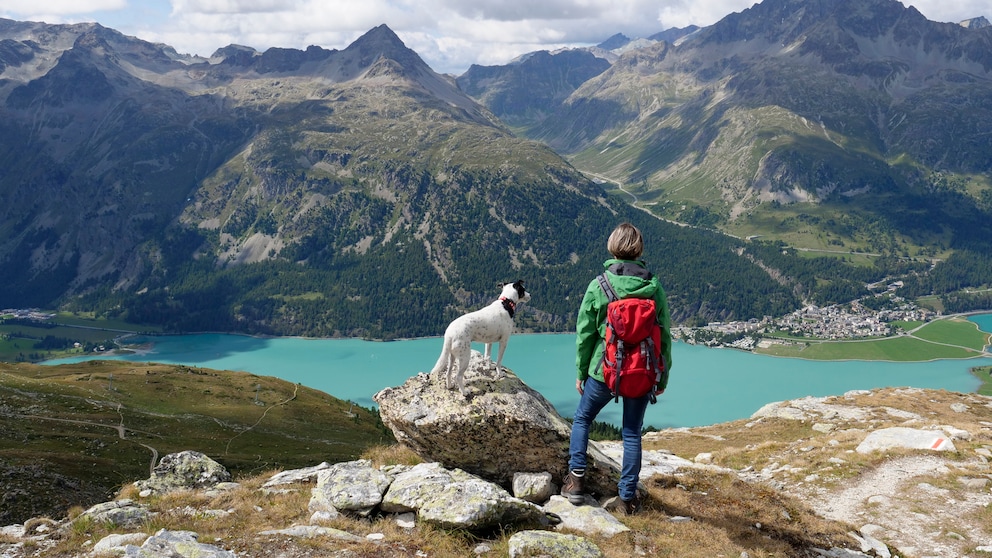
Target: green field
point(20, 341)
point(945, 338)
point(983, 373)
point(954, 331)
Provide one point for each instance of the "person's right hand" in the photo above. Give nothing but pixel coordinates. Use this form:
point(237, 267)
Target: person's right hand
point(579, 386)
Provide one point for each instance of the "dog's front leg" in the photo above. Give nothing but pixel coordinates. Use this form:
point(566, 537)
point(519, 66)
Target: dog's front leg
point(499, 358)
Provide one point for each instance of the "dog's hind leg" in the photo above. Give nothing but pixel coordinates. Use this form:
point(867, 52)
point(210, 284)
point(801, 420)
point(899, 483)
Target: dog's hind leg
point(443, 364)
point(461, 353)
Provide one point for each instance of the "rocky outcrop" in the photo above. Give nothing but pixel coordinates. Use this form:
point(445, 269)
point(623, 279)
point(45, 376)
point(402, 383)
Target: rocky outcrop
point(445, 498)
point(502, 428)
point(895, 499)
point(187, 469)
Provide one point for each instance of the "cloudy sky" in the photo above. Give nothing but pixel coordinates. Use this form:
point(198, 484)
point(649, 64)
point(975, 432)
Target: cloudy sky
point(449, 35)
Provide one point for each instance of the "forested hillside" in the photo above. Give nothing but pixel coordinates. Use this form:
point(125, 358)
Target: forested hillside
point(359, 193)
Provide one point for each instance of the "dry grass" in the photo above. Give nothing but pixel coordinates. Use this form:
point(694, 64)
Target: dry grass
point(729, 517)
point(694, 513)
point(745, 516)
point(391, 455)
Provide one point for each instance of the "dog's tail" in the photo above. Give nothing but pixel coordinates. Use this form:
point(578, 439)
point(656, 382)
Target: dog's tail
point(443, 360)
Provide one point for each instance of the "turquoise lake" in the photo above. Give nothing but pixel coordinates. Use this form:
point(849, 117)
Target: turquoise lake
point(707, 386)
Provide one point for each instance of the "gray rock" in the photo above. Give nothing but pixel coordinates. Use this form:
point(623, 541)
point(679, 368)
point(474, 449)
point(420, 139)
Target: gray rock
point(311, 531)
point(324, 516)
point(839, 553)
point(122, 513)
point(296, 476)
point(416, 486)
point(175, 544)
point(901, 437)
point(533, 487)
point(471, 503)
point(552, 545)
point(806, 408)
point(186, 469)
point(118, 543)
point(957, 433)
point(503, 427)
point(584, 519)
point(871, 544)
point(353, 486)
point(407, 520)
point(976, 483)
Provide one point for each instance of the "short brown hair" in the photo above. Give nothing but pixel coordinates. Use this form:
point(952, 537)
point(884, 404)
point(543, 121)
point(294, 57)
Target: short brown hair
point(626, 242)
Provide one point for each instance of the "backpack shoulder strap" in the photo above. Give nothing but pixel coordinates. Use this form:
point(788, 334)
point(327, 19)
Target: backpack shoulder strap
point(607, 287)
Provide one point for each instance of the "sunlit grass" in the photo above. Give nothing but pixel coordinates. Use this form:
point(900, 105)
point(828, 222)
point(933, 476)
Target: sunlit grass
point(948, 338)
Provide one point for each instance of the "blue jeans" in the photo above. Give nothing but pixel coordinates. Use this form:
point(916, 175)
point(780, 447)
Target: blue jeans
point(595, 396)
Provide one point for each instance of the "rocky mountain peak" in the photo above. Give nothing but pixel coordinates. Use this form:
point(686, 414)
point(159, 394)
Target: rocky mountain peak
point(872, 38)
point(980, 22)
point(235, 54)
point(616, 41)
point(784, 21)
point(382, 42)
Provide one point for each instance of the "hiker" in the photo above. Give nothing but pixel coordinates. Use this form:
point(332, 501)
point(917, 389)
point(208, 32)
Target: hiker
point(629, 279)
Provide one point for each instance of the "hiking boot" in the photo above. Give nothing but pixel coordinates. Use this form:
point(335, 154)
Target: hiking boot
point(572, 489)
point(625, 507)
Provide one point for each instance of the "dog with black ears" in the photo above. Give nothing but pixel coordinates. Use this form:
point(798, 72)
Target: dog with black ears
point(491, 324)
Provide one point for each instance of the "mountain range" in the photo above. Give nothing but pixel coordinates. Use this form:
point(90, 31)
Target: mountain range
point(863, 121)
point(360, 193)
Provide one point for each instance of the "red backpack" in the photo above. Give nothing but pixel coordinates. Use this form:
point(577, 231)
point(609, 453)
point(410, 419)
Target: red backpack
point(632, 362)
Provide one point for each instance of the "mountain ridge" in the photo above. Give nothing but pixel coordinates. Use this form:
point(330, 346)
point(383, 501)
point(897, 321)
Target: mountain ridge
point(261, 192)
point(319, 192)
point(792, 108)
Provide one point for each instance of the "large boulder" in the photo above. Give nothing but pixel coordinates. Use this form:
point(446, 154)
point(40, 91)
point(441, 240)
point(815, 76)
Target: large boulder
point(500, 428)
point(448, 499)
point(123, 513)
point(353, 486)
point(186, 469)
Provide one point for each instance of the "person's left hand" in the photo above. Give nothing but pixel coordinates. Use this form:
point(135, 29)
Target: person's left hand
point(579, 386)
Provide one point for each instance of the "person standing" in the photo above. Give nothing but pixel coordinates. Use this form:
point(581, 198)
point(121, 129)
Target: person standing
point(629, 277)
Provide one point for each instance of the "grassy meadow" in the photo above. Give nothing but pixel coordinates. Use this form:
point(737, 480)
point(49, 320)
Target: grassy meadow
point(22, 341)
point(953, 337)
point(99, 425)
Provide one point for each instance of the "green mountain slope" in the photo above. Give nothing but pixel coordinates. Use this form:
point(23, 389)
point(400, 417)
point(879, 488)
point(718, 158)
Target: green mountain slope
point(317, 192)
point(851, 129)
point(863, 113)
point(93, 427)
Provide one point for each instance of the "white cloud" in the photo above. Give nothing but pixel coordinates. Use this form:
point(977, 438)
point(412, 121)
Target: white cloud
point(232, 6)
point(61, 6)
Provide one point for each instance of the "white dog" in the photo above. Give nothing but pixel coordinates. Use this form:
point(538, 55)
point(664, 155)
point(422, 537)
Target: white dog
point(492, 324)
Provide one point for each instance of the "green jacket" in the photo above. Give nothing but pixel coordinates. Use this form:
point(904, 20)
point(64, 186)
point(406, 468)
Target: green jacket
point(629, 279)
